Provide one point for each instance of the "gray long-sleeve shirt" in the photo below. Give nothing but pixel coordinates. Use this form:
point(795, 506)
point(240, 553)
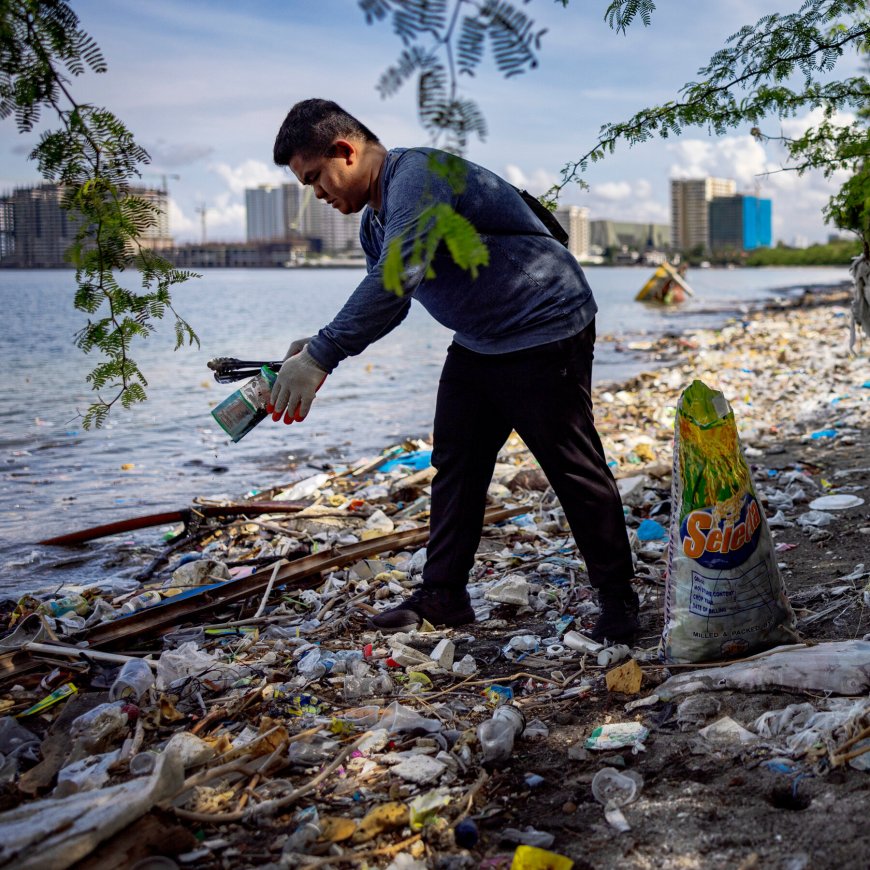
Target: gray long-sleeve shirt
point(532, 291)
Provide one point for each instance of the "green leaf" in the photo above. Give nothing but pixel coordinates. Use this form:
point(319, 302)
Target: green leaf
point(393, 268)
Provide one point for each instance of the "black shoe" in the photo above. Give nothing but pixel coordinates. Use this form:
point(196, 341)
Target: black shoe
point(618, 621)
point(438, 607)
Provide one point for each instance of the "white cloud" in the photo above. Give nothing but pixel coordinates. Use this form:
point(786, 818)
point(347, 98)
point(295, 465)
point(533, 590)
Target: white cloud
point(742, 158)
point(180, 225)
point(762, 168)
point(694, 156)
point(536, 182)
point(626, 201)
point(613, 190)
point(794, 127)
point(250, 173)
point(225, 221)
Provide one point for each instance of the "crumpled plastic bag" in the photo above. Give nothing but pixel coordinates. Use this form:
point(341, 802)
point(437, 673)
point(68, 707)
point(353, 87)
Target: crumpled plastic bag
point(188, 661)
point(805, 727)
point(397, 717)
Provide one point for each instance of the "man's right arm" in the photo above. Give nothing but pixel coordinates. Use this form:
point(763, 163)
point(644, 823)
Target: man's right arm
point(369, 314)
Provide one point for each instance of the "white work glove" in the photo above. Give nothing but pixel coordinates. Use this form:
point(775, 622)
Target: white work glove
point(298, 380)
point(296, 346)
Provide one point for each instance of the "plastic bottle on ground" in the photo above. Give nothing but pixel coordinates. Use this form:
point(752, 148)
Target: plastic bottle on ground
point(141, 601)
point(497, 735)
point(68, 604)
point(133, 681)
point(101, 727)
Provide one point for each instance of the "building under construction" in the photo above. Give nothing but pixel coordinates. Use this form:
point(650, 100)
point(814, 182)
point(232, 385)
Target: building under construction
point(36, 231)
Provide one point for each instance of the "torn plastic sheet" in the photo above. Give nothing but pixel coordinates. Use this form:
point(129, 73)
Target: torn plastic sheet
point(840, 667)
point(55, 833)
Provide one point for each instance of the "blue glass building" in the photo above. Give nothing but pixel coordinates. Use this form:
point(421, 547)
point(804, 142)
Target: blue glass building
point(740, 222)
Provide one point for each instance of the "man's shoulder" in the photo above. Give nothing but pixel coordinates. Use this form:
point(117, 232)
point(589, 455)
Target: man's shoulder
point(423, 157)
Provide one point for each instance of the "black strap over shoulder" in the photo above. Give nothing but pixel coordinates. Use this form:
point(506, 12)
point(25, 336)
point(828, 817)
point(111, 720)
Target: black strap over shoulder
point(545, 216)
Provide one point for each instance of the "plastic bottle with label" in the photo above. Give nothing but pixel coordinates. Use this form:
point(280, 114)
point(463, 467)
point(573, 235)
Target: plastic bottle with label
point(497, 735)
point(72, 603)
point(243, 409)
point(141, 601)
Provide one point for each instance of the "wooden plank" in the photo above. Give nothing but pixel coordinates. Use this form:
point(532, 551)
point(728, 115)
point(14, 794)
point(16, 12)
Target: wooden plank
point(301, 573)
point(183, 516)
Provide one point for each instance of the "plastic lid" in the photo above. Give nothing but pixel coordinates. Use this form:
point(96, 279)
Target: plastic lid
point(836, 502)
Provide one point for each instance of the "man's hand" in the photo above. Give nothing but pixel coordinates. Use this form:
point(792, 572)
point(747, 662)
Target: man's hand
point(298, 380)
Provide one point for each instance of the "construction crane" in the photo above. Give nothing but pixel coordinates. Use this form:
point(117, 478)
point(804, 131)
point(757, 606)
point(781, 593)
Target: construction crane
point(201, 210)
point(165, 176)
point(164, 179)
point(304, 200)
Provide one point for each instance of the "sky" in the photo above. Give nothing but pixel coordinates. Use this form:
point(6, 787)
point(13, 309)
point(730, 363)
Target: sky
point(205, 84)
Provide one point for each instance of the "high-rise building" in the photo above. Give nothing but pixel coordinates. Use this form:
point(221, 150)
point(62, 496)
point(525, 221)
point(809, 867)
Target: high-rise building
point(40, 231)
point(690, 198)
point(740, 222)
point(7, 228)
point(275, 213)
point(36, 231)
point(575, 222)
point(265, 213)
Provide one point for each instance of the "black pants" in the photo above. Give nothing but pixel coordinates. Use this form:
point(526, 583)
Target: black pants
point(543, 393)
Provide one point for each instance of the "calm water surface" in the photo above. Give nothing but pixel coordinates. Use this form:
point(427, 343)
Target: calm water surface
point(58, 478)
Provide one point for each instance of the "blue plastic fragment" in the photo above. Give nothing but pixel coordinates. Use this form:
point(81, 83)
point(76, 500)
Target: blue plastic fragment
point(824, 433)
point(417, 459)
point(563, 623)
point(650, 530)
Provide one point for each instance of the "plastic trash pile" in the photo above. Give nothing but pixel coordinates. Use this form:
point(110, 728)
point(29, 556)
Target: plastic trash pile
point(286, 733)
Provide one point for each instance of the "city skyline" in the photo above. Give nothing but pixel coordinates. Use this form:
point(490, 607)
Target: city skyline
point(204, 88)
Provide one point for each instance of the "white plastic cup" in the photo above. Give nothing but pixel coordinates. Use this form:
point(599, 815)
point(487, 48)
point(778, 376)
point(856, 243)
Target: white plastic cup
point(497, 735)
point(616, 788)
point(133, 681)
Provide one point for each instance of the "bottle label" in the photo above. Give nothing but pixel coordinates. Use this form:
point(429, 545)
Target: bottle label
point(246, 407)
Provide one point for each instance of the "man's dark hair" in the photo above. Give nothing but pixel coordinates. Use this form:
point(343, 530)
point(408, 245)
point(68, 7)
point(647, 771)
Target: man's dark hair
point(311, 126)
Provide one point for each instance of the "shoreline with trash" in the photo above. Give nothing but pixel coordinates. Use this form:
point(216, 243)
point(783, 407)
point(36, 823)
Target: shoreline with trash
point(272, 728)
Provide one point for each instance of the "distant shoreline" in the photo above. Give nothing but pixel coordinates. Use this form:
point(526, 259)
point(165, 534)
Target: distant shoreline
point(360, 264)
